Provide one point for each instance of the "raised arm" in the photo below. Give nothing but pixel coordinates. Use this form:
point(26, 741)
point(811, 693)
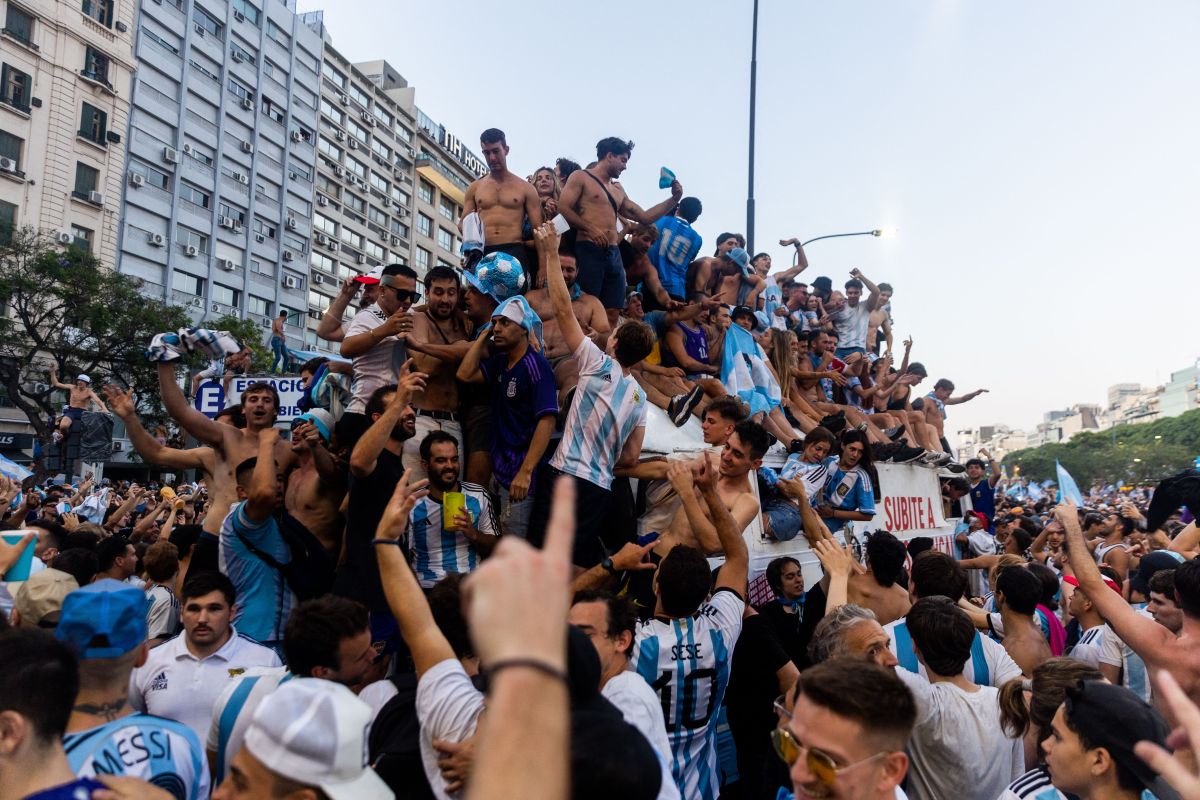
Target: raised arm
point(994, 477)
point(55, 382)
point(191, 420)
point(330, 327)
point(264, 481)
point(405, 599)
point(370, 444)
point(734, 572)
point(953, 401)
point(651, 215)
point(873, 297)
point(147, 446)
point(468, 370)
point(123, 509)
point(800, 262)
point(547, 243)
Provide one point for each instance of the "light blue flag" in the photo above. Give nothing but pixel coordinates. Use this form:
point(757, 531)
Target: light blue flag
point(13, 470)
point(1035, 492)
point(745, 373)
point(1068, 490)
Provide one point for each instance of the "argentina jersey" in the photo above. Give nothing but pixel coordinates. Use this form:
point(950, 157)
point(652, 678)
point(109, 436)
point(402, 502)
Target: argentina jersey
point(437, 552)
point(686, 662)
point(608, 407)
point(677, 245)
point(161, 751)
point(989, 664)
point(233, 710)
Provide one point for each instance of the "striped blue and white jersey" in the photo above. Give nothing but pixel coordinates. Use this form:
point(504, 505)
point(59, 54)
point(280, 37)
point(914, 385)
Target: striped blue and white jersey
point(687, 661)
point(1033, 785)
point(851, 323)
point(161, 751)
point(437, 552)
point(232, 712)
point(1115, 652)
point(1090, 647)
point(989, 664)
point(608, 407)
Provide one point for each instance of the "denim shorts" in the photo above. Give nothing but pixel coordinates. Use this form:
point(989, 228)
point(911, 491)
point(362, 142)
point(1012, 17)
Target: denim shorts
point(784, 518)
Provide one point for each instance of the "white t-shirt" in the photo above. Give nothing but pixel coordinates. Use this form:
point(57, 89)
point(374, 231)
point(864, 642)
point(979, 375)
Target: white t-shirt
point(175, 684)
point(980, 543)
point(377, 694)
point(997, 667)
point(448, 707)
point(958, 747)
point(1115, 652)
point(642, 709)
point(377, 367)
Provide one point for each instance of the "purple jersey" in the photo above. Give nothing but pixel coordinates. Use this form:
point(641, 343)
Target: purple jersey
point(520, 397)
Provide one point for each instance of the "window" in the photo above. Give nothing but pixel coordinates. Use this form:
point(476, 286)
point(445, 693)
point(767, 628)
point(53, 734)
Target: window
point(205, 22)
point(355, 203)
point(400, 229)
point(445, 240)
point(318, 301)
point(188, 284)
point(424, 225)
point(239, 90)
point(269, 191)
point(403, 132)
point(357, 167)
point(8, 222)
point(190, 238)
point(193, 195)
point(323, 262)
point(423, 258)
point(257, 305)
point(302, 172)
point(425, 191)
point(447, 208)
point(81, 237)
point(377, 216)
point(375, 251)
point(276, 33)
point(86, 179)
point(329, 148)
point(95, 65)
point(328, 186)
point(19, 24)
point(229, 212)
point(379, 183)
point(324, 224)
point(335, 77)
point(99, 10)
point(240, 52)
point(152, 176)
point(359, 96)
point(264, 229)
point(273, 111)
point(226, 295)
point(400, 196)
point(199, 155)
point(383, 116)
point(156, 39)
point(357, 131)
point(246, 10)
point(260, 268)
point(10, 147)
point(333, 113)
point(94, 124)
point(382, 150)
point(16, 87)
point(351, 238)
point(203, 70)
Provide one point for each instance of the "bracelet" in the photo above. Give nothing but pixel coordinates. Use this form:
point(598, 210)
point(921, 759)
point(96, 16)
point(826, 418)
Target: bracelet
point(530, 663)
point(386, 541)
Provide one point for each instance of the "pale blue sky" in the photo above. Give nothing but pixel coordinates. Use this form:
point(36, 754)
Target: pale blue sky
point(1038, 158)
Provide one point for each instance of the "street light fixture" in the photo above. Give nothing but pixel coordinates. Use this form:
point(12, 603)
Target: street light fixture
point(881, 233)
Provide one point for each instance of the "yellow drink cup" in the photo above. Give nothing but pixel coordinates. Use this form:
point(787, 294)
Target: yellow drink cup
point(452, 503)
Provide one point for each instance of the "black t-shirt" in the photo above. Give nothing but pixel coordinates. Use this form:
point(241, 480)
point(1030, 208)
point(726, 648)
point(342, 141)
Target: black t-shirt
point(794, 631)
point(358, 577)
point(753, 686)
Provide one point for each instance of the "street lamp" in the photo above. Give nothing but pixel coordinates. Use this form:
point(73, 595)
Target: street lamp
point(750, 161)
point(881, 233)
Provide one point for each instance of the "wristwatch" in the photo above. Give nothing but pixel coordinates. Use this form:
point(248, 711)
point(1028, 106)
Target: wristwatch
point(607, 564)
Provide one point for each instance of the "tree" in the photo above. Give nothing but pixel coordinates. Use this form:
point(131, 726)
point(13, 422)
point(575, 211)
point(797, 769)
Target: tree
point(64, 308)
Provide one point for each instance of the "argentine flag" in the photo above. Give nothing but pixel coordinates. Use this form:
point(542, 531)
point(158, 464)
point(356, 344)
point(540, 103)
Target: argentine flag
point(745, 373)
point(1068, 490)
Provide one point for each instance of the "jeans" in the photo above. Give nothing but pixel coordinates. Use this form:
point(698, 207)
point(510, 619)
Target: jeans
point(514, 517)
point(280, 351)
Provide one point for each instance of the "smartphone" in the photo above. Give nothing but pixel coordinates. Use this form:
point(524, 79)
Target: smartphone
point(561, 225)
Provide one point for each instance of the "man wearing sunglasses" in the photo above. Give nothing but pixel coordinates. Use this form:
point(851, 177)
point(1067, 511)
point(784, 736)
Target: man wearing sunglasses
point(844, 735)
point(375, 339)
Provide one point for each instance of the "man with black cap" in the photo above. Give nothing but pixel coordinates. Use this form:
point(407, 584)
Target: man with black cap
point(1089, 753)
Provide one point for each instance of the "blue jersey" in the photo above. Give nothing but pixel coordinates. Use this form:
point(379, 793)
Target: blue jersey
point(983, 499)
point(264, 599)
point(847, 493)
point(79, 789)
point(162, 751)
point(437, 552)
point(687, 661)
point(676, 247)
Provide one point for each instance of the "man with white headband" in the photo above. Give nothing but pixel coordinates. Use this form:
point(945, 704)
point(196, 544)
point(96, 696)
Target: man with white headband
point(81, 396)
point(524, 405)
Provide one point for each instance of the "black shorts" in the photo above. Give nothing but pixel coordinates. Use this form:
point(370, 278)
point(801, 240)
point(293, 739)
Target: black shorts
point(526, 255)
point(477, 429)
point(591, 510)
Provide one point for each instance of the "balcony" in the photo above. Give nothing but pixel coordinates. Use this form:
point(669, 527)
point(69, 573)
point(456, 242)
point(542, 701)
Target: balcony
point(443, 177)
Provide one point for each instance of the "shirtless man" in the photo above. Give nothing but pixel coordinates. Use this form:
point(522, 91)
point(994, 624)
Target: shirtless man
point(726, 277)
point(592, 319)
point(933, 406)
point(503, 201)
point(437, 405)
point(635, 252)
point(591, 201)
point(1017, 594)
point(80, 400)
point(330, 328)
point(317, 485)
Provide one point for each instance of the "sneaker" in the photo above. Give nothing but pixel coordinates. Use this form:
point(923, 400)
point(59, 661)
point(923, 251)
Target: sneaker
point(955, 467)
point(894, 433)
point(834, 423)
point(881, 452)
point(907, 455)
point(682, 405)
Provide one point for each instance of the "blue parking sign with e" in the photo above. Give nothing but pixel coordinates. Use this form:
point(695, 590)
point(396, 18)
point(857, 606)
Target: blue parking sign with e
point(210, 399)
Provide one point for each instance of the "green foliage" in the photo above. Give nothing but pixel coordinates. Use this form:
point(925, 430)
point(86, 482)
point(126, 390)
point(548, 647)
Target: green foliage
point(1125, 454)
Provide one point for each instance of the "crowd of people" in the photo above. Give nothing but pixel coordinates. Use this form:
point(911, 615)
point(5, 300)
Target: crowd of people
point(466, 517)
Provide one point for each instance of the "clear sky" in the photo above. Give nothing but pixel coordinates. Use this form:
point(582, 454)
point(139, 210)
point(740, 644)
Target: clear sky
point(1039, 159)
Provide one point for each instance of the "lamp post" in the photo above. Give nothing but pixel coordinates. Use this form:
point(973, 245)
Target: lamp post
point(750, 163)
point(882, 233)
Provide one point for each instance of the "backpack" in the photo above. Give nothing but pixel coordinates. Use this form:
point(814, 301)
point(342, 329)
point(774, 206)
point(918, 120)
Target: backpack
point(310, 571)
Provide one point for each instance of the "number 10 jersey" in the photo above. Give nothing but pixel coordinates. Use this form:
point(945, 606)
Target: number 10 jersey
point(687, 662)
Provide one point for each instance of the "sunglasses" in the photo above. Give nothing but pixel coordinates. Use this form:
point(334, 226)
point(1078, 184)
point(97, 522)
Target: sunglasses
point(404, 295)
point(819, 763)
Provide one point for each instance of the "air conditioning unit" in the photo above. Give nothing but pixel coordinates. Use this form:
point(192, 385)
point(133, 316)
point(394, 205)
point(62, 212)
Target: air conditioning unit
point(362, 259)
point(353, 144)
point(345, 98)
point(258, 237)
point(292, 174)
point(8, 165)
point(64, 237)
point(216, 307)
point(96, 197)
point(288, 255)
point(187, 150)
point(247, 147)
point(170, 155)
point(191, 251)
point(199, 29)
point(118, 446)
point(243, 179)
point(266, 323)
point(314, 314)
point(247, 103)
point(227, 264)
point(290, 282)
point(371, 123)
point(317, 279)
point(395, 241)
point(333, 246)
point(225, 222)
point(297, 137)
point(198, 302)
point(340, 136)
point(238, 57)
point(322, 200)
point(412, 151)
point(156, 239)
point(239, 16)
point(291, 223)
point(339, 171)
point(322, 239)
point(136, 180)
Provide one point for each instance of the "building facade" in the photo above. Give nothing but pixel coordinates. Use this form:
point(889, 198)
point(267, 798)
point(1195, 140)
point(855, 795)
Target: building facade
point(65, 73)
point(218, 196)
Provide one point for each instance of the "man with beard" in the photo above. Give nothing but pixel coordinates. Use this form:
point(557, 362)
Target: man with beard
point(437, 405)
point(503, 201)
point(442, 546)
point(375, 467)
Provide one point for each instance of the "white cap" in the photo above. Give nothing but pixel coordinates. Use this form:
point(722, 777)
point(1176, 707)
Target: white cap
point(314, 732)
point(371, 277)
point(83, 378)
